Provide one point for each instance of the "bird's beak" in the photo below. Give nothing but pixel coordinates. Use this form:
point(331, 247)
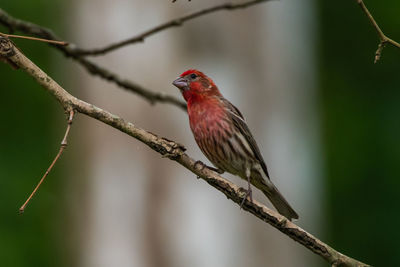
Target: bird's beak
point(181, 83)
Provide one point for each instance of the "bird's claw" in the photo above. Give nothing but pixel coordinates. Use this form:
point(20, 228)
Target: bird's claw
point(202, 166)
point(216, 170)
point(249, 193)
point(219, 171)
point(197, 163)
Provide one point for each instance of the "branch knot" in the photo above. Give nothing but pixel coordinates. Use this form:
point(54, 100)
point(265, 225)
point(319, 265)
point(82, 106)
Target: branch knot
point(170, 149)
point(6, 47)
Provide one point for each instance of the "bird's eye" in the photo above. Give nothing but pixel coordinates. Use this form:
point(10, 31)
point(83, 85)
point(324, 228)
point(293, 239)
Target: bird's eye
point(193, 76)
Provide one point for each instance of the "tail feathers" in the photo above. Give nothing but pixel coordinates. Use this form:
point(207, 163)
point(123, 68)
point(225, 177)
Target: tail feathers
point(279, 201)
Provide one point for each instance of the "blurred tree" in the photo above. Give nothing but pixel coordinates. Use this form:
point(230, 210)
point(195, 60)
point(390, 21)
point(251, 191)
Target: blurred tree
point(359, 104)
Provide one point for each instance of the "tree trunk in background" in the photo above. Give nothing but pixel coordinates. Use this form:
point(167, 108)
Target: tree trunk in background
point(142, 210)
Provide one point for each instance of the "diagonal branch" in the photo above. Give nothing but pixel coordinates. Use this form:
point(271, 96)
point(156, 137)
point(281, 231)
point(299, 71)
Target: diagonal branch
point(383, 39)
point(176, 152)
point(96, 70)
point(173, 23)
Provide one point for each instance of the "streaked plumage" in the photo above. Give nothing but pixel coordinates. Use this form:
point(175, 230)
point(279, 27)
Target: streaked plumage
point(224, 137)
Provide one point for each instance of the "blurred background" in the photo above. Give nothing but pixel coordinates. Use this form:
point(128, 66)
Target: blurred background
point(325, 118)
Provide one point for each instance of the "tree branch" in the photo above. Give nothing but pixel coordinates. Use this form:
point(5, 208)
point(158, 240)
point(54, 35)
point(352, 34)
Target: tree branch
point(96, 70)
point(75, 53)
point(173, 23)
point(382, 37)
point(63, 146)
point(176, 152)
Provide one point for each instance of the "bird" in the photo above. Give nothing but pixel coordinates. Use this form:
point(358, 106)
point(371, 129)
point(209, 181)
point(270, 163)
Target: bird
point(223, 136)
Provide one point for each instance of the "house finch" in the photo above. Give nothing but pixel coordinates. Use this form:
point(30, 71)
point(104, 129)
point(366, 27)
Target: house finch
point(224, 137)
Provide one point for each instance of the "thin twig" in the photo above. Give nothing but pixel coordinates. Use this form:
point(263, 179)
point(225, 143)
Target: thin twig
point(176, 152)
point(173, 23)
point(34, 39)
point(382, 37)
point(62, 148)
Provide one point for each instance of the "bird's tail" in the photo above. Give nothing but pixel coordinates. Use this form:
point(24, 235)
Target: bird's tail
point(279, 202)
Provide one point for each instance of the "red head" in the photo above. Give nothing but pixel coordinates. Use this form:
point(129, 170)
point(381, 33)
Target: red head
point(195, 84)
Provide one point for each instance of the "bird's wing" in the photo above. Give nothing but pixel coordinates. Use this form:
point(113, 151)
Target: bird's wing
point(240, 123)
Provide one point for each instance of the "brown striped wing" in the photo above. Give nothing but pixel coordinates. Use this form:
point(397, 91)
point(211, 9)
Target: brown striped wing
point(240, 123)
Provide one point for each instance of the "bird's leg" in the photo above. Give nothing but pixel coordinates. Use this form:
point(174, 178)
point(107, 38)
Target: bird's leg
point(202, 166)
point(249, 192)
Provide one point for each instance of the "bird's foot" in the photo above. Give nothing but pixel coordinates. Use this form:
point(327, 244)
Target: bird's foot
point(249, 193)
point(216, 170)
point(202, 166)
point(199, 164)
